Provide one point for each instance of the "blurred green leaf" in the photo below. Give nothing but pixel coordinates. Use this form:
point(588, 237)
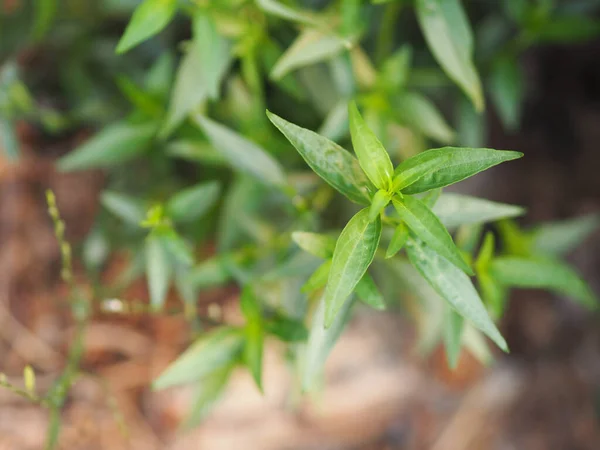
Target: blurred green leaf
point(367, 291)
point(454, 286)
point(567, 29)
point(318, 279)
point(319, 245)
point(454, 165)
point(148, 19)
point(158, 270)
point(8, 140)
point(286, 12)
point(449, 36)
point(395, 70)
point(213, 351)
point(197, 151)
point(310, 47)
point(214, 53)
point(45, 12)
point(353, 254)
point(372, 156)
point(114, 145)
point(242, 154)
point(453, 331)
point(139, 98)
point(129, 209)
point(420, 113)
point(321, 340)
point(192, 203)
point(398, 240)
point(328, 160)
point(288, 330)
point(457, 209)
point(539, 273)
point(506, 90)
point(559, 238)
point(335, 125)
point(253, 349)
point(159, 78)
point(208, 391)
point(425, 224)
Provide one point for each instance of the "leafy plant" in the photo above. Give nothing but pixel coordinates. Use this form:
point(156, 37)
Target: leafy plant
point(193, 160)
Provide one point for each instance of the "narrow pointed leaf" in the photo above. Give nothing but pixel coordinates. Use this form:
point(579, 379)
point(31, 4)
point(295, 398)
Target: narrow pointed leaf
point(310, 47)
point(242, 154)
point(368, 293)
point(328, 160)
point(372, 156)
point(559, 238)
point(318, 279)
point(213, 351)
point(506, 90)
point(129, 209)
point(354, 252)
point(453, 330)
point(454, 210)
point(380, 200)
point(192, 203)
point(286, 12)
point(418, 112)
point(321, 341)
point(454, 164)
point(115, 144)
point(428, 227)
point(158, 270)
point(319, 245)
point(208, 391)
point(148, 19)
point(253, 350)
point(538, 273)
point(449, 37)
point(398, 240)
point(454, 286)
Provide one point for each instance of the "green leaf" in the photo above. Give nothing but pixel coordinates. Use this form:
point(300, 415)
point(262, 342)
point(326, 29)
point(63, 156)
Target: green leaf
point(380, 200)
point(288, 330)
point(45, 12)
point(567, 29)
point(139, 98)
point(197, 151)
point(538, 273)
point(395, 71)
point(310, 47)
point(493, 293)
point(367, 291)
point(335, 125)
point(428, 227)
point(321, 341)
point(319, 245)
point(242, 154)
point(114, 145)
point(318, 279)
point(454, 286)
point(249, 305)
point(213, 351)
point(559, 238)
point(148, 19)
point(178, 249)
point(454, 210)
point(8, 140)
point(285, 12)
point(418, 112)
point(253, 349)
point(398, 240)
point(453, 330)
point(129, 209)
point(449, 165)
point(159, 78)
point(353, 254)
point(373, 158)
point(328, 160)
point(214, 53)
point(449, 36)
point(192, 203)
point(208, 391)
point(506, 90)
point(158, 270)
point(188, 93)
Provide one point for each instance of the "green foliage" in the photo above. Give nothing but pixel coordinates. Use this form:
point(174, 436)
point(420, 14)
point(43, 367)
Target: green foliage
point(194, 163)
